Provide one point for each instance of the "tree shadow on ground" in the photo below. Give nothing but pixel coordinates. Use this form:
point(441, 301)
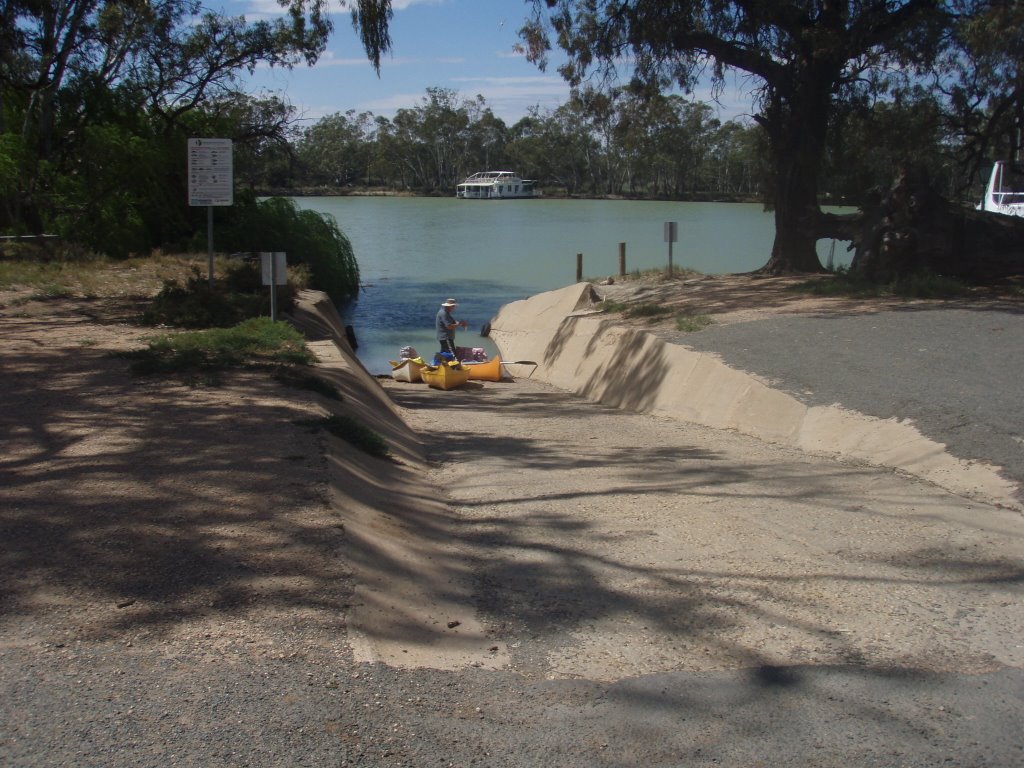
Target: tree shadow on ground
point(139, 503)
point(545, 571)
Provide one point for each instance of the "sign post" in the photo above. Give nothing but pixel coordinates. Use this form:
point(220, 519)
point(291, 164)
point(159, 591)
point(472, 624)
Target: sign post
point(210, 182)
point(274, 266)
point(671, 235)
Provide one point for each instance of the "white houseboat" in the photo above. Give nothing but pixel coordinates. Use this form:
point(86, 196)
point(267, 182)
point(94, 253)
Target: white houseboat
point(1005, 191)
point(495, 185)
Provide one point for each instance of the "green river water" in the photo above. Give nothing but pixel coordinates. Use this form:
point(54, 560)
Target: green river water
point(414, 252)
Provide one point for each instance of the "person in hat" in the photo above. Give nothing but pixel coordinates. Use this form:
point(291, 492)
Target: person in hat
point(445, 325)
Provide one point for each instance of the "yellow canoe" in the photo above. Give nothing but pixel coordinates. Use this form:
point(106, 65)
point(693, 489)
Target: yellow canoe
point(408, 369)
point(489, 371)
point(444, 376)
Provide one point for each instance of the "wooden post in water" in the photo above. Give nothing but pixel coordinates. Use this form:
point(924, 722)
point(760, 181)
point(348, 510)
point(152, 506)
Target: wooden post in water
point(622, 259)
point(579, 267)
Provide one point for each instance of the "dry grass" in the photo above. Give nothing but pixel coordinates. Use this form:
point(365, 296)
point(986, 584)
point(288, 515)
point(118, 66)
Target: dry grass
point(27, 275)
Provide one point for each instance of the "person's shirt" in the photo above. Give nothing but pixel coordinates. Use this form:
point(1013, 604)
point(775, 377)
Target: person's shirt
point(442, 324)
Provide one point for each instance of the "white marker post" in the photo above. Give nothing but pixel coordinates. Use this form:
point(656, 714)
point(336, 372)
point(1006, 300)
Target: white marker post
point(210, 182)
point(671, 235)
point(274, 266)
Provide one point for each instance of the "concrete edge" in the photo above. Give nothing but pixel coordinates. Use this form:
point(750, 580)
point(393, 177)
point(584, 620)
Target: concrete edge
point(590, 355)
point(413, 604)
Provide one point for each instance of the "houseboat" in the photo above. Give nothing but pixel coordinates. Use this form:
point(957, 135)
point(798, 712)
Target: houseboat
point(495, 185)
point(1005, 191)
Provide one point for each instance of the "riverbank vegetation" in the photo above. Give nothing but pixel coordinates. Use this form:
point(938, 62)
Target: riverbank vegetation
point(206, 352)
point(920, 285)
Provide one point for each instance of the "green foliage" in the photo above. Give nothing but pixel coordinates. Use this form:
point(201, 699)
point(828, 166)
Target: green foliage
point(235, 296)
point(642, 310)
point(95, 101)
point(922, 285)
point(53, 291)
point(308, 237)
point(613, 306)
point(928, 286)
point(336, 150)
point(255, 341)
point(692, 323)
point(647, 310)
point(868, 146)
point(14, 157)
point(357, 434)
point(106, 203)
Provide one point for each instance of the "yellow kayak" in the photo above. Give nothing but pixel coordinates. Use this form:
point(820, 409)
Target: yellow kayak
point(489, 371)
point(407, 369)
point(445, 376)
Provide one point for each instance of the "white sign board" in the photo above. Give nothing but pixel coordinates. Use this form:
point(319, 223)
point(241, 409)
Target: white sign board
point(276, 270)
point(210, 172)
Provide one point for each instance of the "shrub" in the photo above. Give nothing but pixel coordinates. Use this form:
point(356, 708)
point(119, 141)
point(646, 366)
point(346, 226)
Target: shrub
point(357, 434)
point(308, 237)
point(235, 296)
point(646, 310)
point(255, 341)
point(692, 323)
point(922, 285)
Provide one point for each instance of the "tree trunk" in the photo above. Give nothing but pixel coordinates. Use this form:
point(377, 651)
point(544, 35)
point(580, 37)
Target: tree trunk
point(796, 127)
point(796, 239)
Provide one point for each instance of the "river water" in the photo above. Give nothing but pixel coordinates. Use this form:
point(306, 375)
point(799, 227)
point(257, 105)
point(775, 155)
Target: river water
point(415, 252)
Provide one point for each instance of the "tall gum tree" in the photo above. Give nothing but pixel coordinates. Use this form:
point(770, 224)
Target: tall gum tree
point(803, 58)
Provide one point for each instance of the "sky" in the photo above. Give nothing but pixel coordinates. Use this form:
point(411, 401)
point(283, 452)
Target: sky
point(461, 45)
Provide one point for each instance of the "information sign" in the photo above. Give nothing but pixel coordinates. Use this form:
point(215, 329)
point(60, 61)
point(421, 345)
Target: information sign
point(210, 172)
point(274, 267)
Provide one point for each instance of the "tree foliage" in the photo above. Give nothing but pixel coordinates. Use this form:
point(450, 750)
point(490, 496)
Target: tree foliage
point(629, 144)
point(983, 83)
point(806, 59)
point(308, 237)
point(98, 99)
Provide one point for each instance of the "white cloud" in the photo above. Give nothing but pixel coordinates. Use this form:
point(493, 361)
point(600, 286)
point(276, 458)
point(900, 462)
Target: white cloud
point(398, 5)
point(330, 59)
point(508, 97)
point(265, 8)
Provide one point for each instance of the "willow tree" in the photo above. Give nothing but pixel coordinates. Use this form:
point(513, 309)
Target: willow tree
point(801, 57)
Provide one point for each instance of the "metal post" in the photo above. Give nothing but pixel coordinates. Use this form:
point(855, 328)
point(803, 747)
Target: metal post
point(579, 267)
point(209, 243)
point(671, 233)
point(273, 286)
point(622, 259)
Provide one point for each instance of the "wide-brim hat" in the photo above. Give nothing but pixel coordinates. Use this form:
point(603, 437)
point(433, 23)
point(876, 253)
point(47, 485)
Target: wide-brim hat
point(449, 303)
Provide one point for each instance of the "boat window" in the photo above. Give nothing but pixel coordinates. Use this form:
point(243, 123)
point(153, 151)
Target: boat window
point(1012, 178)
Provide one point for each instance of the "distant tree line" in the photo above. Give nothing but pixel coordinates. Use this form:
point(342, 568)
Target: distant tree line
point(621, 143)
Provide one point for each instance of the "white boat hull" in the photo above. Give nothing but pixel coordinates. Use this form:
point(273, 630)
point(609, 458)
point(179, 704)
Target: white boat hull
point(1005, 191)
point(495, 185)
